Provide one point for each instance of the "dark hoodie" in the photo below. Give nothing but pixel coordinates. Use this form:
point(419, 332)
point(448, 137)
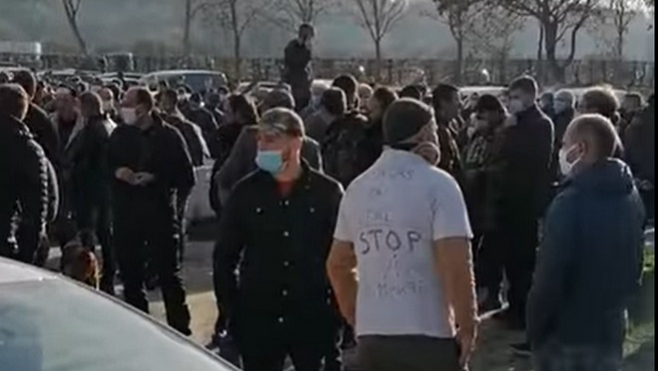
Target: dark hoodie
point(590, 260)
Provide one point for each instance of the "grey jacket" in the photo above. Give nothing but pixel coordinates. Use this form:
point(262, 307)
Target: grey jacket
point(241, 161)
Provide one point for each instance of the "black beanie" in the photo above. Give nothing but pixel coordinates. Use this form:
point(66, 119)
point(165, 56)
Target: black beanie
point(403, 119)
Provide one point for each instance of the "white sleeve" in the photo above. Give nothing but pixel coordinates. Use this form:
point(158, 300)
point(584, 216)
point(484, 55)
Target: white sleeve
point(343, 232)
point(449, 212)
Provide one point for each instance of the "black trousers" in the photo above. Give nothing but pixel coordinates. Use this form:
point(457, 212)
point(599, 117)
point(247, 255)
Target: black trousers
point(512, 248)
point(138, 240)
point(96, 219)
point(408, 353)
point(305, 356)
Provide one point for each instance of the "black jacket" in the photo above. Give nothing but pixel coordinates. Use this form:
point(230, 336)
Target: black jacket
point(590, 260)
point(297, 64)
point(159, 150)
point(193, 136)
point(24, 175)
point(87, 155)
point(281, 245)
point(524, 176)
point(44, 132)
point(450, 156)
point(343, 153)
point(641, 145)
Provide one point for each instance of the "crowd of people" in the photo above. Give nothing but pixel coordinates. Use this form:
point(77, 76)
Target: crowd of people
point(350, 215)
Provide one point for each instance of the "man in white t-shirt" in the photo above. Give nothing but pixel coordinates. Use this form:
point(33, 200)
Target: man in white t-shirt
point(403, 228)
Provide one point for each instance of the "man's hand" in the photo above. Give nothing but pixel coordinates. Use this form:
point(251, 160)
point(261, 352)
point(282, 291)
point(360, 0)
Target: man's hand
point(466, 339)
point(143, 179)
point(341, 266)
point(126, 175)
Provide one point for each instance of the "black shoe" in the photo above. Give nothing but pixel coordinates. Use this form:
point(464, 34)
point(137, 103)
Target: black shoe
point(521, 350)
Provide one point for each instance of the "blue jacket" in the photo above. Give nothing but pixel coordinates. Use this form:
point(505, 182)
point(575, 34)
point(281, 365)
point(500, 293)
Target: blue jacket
point(590, 260)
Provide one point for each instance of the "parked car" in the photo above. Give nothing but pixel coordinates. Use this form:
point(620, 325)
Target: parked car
point(197, 80)
point(49, 323)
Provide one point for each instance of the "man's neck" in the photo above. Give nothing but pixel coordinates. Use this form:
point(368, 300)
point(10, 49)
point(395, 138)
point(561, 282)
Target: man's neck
point(291, 173)
point(145, 122)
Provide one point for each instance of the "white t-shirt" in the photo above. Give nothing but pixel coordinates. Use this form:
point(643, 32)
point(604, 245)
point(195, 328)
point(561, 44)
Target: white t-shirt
point(392, 214)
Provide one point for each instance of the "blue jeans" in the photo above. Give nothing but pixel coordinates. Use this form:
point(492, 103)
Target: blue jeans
point(556, 357)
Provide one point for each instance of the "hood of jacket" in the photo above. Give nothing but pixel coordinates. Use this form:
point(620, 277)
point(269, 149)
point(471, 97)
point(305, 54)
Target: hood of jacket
point(608, 177)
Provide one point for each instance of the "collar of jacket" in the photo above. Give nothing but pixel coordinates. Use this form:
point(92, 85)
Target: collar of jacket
point(303, 181)
point(14, 125)
point(157, 123)
point(531, 112)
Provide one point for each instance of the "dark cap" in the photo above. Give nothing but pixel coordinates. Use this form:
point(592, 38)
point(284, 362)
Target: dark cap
point(404, 118)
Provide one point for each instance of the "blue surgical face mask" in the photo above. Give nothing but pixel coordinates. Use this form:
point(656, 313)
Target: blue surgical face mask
point(270, 161)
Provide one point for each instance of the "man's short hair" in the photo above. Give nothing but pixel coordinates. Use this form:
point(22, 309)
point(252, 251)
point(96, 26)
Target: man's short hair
point(27, 80)
point(144, 98)
point(411, 91)
point(283, 121)
point(116, 91)
point(601, 100)
point(333, 100)
point(385, 96)
point(307, 27)
point(348, 84)
point(404, 118)
point(600, 129)
point(489, 103)
point(14, 101)
point(91, 100)
point(170, 95)
point(443, 93)
point(526, 84)
point(278, 98)
point(566, 96)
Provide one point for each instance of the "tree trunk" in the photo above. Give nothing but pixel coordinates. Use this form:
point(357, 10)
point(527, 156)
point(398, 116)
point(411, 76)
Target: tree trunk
point(237, 55)
point(187, 26)
point(459, 68)
point(619, 49)
point(72, 18)
point(556, 72)
point(378, 57)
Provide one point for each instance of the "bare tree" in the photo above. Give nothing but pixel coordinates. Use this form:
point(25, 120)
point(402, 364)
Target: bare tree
point(459, 16)
point(560, 20)
point(290, 14)
point(494, 30)
point(72, 10)
point(235, 16)
point(378, 18)
point(613, 22)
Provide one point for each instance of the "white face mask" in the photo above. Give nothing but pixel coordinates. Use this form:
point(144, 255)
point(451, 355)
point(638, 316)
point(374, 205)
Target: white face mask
point(559, 106)
point(108, 105)
point(567, 167)
point(129, 116)
point(515, 106)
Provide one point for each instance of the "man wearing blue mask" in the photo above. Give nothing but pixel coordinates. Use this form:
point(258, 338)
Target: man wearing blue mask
point(277, 228)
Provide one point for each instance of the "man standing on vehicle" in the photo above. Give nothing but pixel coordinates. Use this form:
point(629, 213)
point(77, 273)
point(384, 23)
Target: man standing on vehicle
point(297, 70)
point(404, 226)
point(150, 165)
point(277, 227)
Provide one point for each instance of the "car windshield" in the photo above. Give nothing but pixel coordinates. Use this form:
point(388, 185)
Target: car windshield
point(56, 326)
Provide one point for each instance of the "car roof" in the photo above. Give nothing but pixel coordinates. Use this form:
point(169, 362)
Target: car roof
point(15, 272)
point(182, 72)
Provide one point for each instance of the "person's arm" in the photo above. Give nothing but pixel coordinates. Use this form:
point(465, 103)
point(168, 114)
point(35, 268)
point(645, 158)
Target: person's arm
point(183, 178)
point(341, 265)
point(454, 263)
point(233, 168)
point(553, 271)
point(33, 197)
point(341, 268)
point(226, 255)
